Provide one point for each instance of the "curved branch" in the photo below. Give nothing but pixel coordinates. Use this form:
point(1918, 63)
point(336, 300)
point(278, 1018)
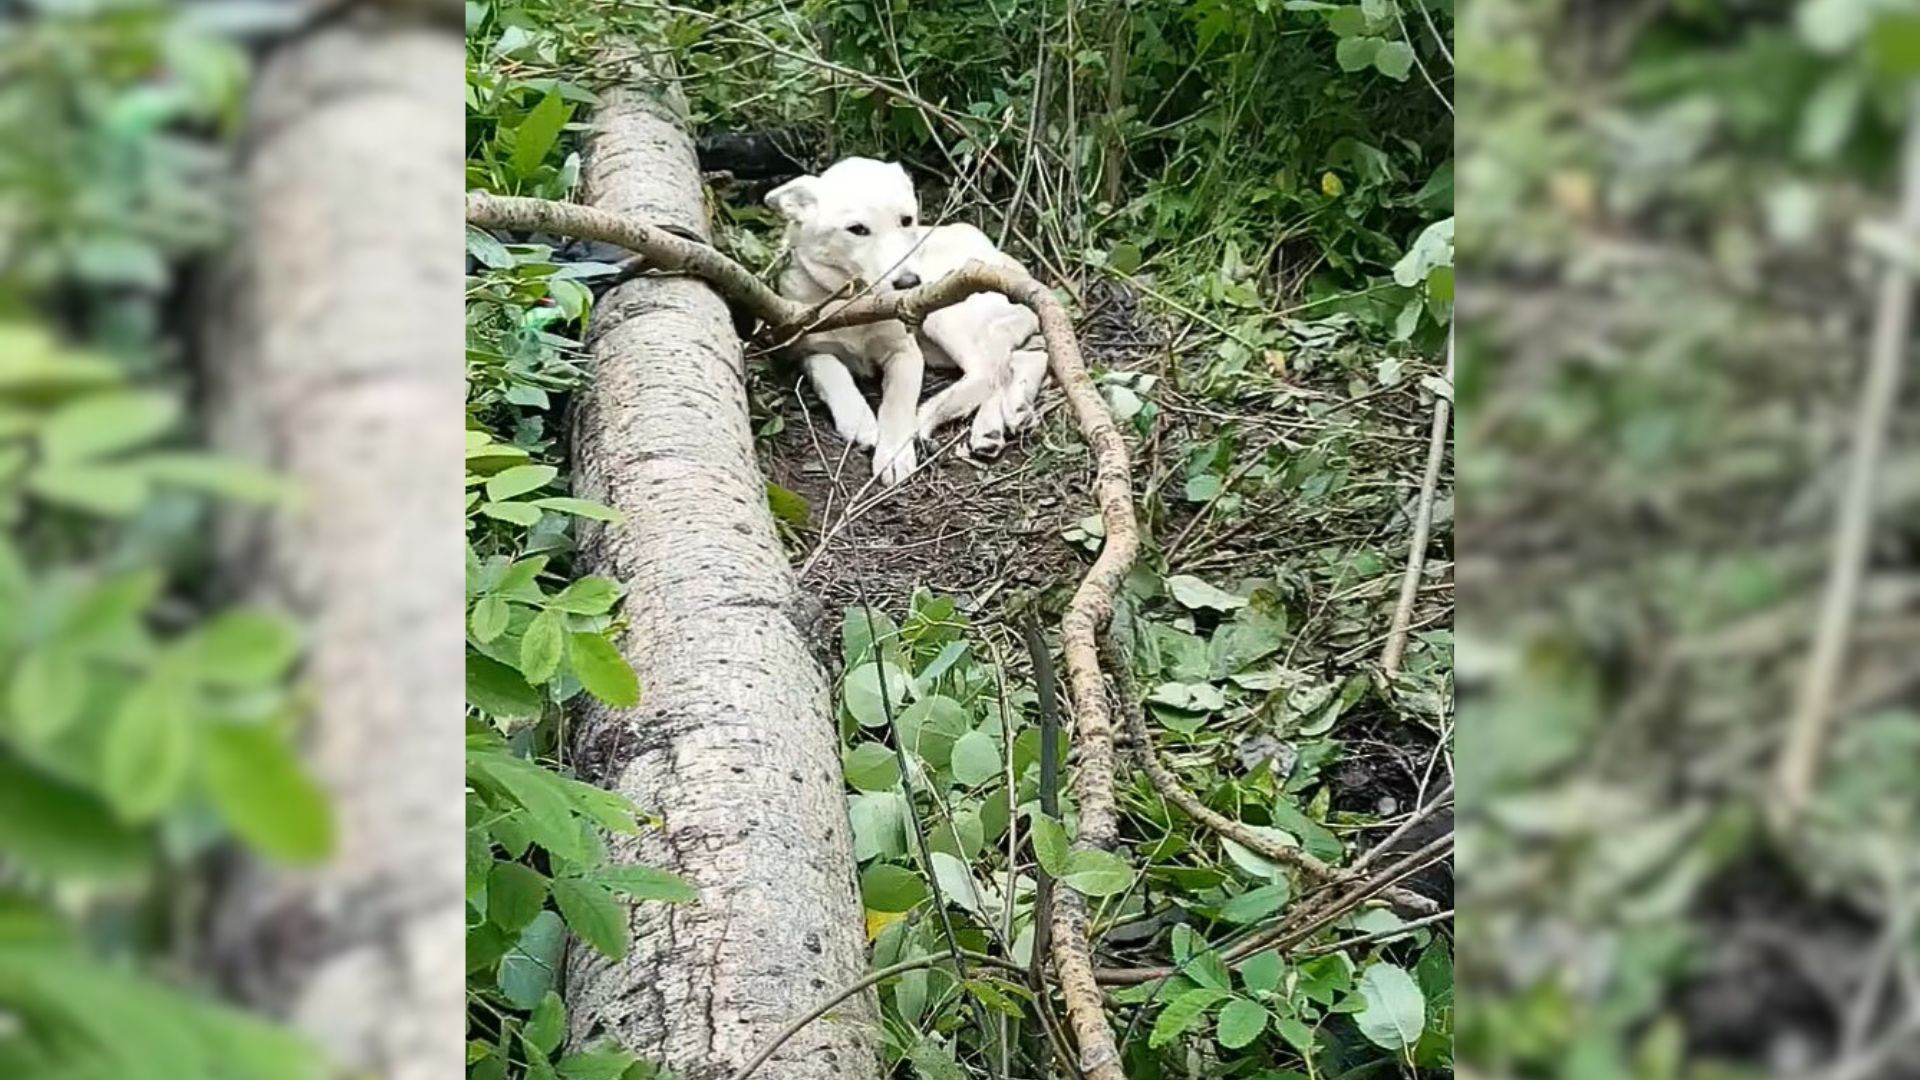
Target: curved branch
point(1092, 604)
point(1176, 793)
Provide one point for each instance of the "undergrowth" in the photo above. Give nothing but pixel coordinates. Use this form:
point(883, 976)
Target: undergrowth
point(1273, 182)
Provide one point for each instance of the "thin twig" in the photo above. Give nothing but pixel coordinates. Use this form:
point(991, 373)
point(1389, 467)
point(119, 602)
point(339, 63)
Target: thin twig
point(1798, 766)
point(1176, 793)
point(1422, 526)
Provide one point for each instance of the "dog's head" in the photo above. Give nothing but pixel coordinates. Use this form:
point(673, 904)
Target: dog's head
point(857, 220)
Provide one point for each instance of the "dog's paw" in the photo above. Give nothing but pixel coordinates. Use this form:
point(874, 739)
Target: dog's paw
point(863, 432)
point(894, 466)
point(986, 443)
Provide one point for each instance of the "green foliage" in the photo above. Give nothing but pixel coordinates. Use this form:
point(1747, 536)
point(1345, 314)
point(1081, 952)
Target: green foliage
point(141, 727)
point(538, 633)
point(957, 711)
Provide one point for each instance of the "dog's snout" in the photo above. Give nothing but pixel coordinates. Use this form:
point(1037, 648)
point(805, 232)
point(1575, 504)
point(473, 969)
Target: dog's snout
point(906, 280)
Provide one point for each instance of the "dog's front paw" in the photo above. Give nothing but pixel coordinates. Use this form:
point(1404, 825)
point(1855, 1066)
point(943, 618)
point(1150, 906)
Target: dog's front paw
point(895, 465)
point(863, 431)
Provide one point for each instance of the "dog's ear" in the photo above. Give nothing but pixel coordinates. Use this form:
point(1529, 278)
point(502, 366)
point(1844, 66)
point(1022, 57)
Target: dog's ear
point(793, 199)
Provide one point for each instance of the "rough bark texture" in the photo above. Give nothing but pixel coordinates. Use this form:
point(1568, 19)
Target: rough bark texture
point(335, 358)
point(733, 746)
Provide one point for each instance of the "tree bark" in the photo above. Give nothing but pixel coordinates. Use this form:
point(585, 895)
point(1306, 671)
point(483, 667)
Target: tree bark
point(333, 358)
point(734, 745)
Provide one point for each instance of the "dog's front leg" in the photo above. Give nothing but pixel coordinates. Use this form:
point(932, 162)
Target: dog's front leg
point(904, 367)
point(852, 416)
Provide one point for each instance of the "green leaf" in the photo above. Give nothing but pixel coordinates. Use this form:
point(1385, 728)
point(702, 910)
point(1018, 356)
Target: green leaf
point(585, 508)
point(588, 596)
point(547, 1026)
point(515, 513)
point(1432, 248)
point(48, 690)
point(602, 670)
point(515, 894)
point(889, 888)
point(1124, 257)
point(862, 692)
point(1298, 1035)
point(542, 646)
point(1209, 970)
point(859, 629)
point(1394, 59)
point(593, 914)
point(646, 883)
point(1256, 904)
point(232, 480)
point(495, 688)
point(265, 796)
point(871, 766)
point(788, 506)
point(149, 746)
point(1396, 1010)
point(975, 758)
point(1050, 845)
point(597, 1065)
point(110, 491)
point(95, 427)
point(1356, 53)
point(1181, 1014)
point(483, 246)
point(1241, 1022)
point(1098, 873)
point(243, 649)
point(63, 832)
point(536, 134)
point(526, 972)
point(879, 825)
point(1262, 971)
point(956, 882)
point(542, 793)
point(1196, 594)
point(932, 1060)
point(519, 480)
point(490, 618)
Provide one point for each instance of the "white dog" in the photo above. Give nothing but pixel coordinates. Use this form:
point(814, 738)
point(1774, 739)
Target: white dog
point(859, 222)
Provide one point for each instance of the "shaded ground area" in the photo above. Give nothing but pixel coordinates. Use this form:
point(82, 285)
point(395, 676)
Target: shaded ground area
point(977, 530)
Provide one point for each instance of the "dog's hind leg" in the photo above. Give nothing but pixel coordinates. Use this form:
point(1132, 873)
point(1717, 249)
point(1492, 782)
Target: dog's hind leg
point(852, 417)
point(974, 389)
point(1017, 396)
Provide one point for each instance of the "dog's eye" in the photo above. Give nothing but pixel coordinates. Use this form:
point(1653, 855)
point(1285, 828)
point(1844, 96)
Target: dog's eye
point(906, 219)
point(858, 230)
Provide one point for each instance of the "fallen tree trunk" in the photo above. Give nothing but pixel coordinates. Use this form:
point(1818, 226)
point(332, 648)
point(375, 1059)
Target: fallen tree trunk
point(734, 745)
point(330, 356)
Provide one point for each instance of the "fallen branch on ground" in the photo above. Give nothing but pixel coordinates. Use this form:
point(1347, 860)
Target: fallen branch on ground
point(1176, 793)
point(1798, 766)
point(1422, 526)
point(1092, 604)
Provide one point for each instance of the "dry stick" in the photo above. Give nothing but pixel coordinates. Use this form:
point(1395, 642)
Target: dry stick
point(1378, 935)
point(1798, 765)
point(1176, 793)
point(1422, 526)
point(1440, 801)
point(1092, 604)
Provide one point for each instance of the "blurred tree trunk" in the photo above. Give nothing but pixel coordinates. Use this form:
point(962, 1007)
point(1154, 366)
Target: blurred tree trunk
point(334, 354)
point(734, 744)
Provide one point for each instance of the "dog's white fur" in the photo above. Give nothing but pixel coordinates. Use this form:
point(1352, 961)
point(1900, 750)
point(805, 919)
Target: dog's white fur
point(859, 221)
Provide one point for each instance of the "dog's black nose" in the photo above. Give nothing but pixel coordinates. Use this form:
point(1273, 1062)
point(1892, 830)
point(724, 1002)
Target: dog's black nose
point(907, 280)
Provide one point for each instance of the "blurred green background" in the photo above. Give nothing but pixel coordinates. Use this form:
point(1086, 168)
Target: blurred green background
point(144, 721)
point(1670, 212)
